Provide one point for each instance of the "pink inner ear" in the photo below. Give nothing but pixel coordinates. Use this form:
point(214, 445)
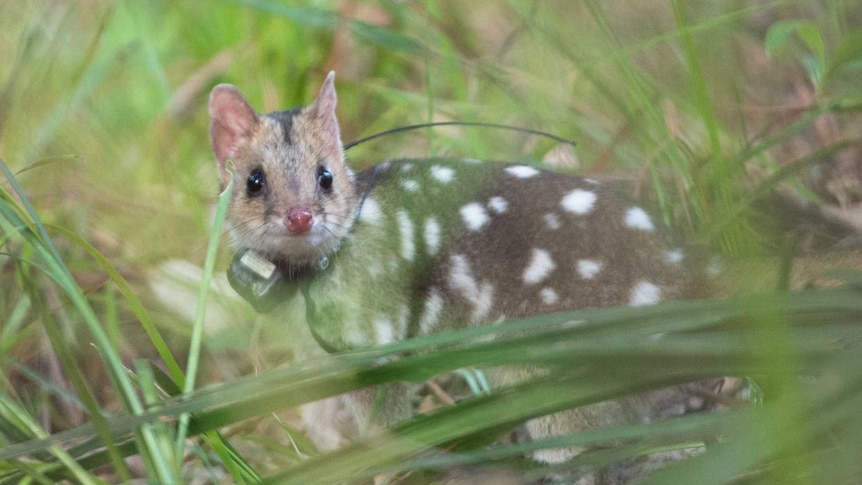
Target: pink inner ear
point(232, 121)
point(323, 108)
point(326, 99)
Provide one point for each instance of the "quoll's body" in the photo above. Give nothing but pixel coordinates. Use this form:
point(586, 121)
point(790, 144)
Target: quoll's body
point(420, 246)
point(439, 244)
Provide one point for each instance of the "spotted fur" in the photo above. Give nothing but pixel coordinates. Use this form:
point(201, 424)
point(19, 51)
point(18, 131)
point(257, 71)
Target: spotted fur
point(447, 243)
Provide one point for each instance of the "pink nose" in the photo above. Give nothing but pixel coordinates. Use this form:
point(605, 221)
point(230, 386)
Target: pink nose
point(298, 220)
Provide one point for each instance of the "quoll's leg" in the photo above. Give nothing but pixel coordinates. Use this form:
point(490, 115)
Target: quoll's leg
point(334, 422)
point(641, 408)
point(655, 405)
point(598, 415)
point(377, 408)
point(328, 423)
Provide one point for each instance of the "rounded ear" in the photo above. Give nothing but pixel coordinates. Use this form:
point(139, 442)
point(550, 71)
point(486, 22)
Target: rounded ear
point(232, 120)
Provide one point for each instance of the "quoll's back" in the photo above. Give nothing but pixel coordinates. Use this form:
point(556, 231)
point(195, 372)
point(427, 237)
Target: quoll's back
point(460, 242)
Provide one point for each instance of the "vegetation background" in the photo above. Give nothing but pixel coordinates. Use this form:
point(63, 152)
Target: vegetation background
point(109, 198)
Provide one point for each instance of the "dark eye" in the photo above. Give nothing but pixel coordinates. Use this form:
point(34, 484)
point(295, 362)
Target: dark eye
point(324, 178)
point(256, 181)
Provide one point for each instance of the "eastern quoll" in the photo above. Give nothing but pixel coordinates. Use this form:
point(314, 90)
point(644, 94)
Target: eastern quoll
point(411, 247)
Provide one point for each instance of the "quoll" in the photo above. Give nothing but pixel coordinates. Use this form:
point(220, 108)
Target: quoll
point(411, 247)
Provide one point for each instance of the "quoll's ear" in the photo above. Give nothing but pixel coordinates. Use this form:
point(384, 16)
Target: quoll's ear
point(232, 120)
point(322, 109)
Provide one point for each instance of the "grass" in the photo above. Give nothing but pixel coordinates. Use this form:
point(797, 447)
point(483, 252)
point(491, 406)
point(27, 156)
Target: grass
point(699, 108)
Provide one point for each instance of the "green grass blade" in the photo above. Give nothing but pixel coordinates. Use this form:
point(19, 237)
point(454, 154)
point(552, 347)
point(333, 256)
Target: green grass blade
point(60, 273)
point(11, 411)
point(200, 315)
point(132, 300)
point(699, 354)
point(161, 432)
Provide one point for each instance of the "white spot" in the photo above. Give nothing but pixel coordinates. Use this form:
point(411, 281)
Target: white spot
point(539, 267)
point(460, 276)
point(431, 313)
point(549, 296)
point(552, 221)
point(645, 293)
point(370, 212)
point(474, 215)
point(637, 218)
point(442, 174)
point(410, 185)
point(354, 337)
point(472, 160)
point(406, 167)
point(674, 256)
point(579, 201)
point(432, 236)
point(522, 171)
point(383, 330)
point(589, 268)
point(591, 181)
point(405, 226)
point(498, 204)
point(461, 280)
point(375, 270)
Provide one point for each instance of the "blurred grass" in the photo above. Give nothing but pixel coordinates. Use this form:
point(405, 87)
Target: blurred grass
point(699, 107)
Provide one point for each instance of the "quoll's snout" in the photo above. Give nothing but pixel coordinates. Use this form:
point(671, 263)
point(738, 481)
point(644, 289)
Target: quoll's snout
point(298, 221)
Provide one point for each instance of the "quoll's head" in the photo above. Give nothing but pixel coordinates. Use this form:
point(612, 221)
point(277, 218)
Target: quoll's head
point(293, 196)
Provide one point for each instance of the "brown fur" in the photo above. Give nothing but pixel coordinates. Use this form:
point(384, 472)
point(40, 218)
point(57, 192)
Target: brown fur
point(290, 161)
